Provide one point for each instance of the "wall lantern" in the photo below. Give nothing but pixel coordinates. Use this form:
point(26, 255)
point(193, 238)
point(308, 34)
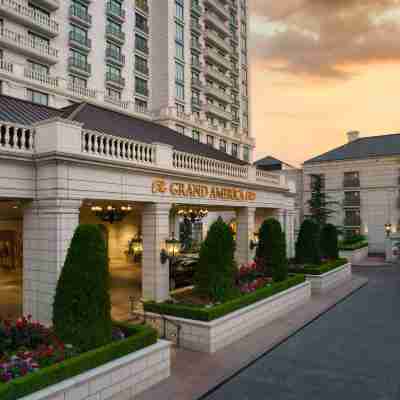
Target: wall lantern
point(135, 247)
point(171, 251)
point(388, 229)
point(254, 241)
point(111, 214)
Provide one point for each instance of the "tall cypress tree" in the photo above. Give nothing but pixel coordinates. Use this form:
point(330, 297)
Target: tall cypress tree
point(308, 245)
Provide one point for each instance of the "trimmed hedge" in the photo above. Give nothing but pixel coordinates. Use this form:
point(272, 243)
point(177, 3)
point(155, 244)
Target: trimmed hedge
point(353, 246)
point(141, 337)
point(208, 314)
point(320, 269)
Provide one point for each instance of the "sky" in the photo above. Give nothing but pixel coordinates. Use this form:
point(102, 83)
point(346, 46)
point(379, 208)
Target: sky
point(321, 68)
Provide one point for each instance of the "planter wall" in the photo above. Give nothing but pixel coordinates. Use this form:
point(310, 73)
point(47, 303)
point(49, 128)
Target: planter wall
point(355, 256)
point(331, 279)
point(214, 335)
point(120, 379)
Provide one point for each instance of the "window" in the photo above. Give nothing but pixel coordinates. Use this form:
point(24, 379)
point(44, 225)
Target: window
point(351, 179)
point(37, 40)
point(79, 9)
point(180, 129)
point(38, 68)
point(141, 65)
point(196, 135)
point(210, 140)
point(141, 23)
point(38, 97)
point(179, 9)
point(79, 59)
point(317, 179)
point(222, 145)
point(352, 218)
point(246, 154)
point(113, 72)
point(114, 27)
point(141, 44)
point(141, 105)
point(352, 199)
point(113, 94)
point(180, 109)
point(179, 37)
point(77, 81)
point(79, 35)
point(141, 86)
point(180, 51)
point(180, 91)
point(180, 72)
point(114, 50)
point(235, 150)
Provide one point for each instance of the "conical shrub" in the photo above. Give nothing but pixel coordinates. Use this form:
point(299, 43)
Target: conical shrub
point(216, 270)
point(307, 245)
point(82, 307)
point(271, 250)
point(329, 242)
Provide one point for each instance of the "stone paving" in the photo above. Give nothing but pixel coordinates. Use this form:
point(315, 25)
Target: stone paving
point(194, 374)
point(351, 352)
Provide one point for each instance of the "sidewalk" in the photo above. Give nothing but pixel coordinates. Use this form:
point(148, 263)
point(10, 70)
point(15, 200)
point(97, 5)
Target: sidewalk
point(193, 374)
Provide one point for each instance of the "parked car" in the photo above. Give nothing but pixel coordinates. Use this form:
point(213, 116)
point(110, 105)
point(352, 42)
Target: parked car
point(182, 270)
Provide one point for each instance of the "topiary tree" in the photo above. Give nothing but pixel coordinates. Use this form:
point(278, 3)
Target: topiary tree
point(307, 245)
point(216, 269)
point(82, 307)
point(271, 250)
point(329, 242)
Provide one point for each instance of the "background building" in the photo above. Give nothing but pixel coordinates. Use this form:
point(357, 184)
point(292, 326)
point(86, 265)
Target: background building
point(182, 63)
point(363, 176)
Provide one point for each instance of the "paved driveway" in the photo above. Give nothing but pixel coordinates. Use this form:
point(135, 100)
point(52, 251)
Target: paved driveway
point(352, 352)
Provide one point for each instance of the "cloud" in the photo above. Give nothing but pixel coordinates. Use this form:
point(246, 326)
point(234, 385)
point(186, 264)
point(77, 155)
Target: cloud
point(325, 38)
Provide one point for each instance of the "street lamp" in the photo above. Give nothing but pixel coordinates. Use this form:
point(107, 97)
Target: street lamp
point(254, 241)
point(388, 229)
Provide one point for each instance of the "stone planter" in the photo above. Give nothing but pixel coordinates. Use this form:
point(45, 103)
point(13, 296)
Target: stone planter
point(329, 280)
point(214, 335)
point(120, 379)
point(355, 256)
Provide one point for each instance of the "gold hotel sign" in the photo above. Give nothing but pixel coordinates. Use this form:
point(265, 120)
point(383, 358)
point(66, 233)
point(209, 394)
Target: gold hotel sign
point(202, 191)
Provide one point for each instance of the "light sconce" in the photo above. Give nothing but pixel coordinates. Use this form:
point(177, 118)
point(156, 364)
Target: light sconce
point(388, 229)
point(254, 241)
point(171, 251)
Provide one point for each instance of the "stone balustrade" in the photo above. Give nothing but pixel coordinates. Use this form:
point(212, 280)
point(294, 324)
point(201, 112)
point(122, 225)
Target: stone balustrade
point(16, 138)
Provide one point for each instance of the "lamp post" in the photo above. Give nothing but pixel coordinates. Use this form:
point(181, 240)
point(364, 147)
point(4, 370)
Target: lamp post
point(254, 241)
point(388, 229)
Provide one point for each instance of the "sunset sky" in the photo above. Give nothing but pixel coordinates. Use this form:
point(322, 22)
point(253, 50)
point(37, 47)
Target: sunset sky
point(321, 68)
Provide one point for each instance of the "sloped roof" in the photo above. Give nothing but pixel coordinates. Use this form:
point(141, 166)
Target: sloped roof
point(111, 122)
point(269, 162)
point(367, 147)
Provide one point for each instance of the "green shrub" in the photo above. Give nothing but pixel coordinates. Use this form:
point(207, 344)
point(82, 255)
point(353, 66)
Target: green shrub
point(216, 270)
point(207, 314)
point(329, 242)
point(320, 269)
point(82, 309)
point(307, 245)
point(271, 250)
point(140, 337)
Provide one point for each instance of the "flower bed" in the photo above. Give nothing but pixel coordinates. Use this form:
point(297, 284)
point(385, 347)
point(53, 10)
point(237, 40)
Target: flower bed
point(32, 358)
point(211, 328)
point(211, 312)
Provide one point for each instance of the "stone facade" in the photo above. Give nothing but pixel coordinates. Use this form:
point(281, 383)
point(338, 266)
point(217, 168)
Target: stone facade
point(330, 280)
point(355, 256)
point(121, 379)
point(212, 336)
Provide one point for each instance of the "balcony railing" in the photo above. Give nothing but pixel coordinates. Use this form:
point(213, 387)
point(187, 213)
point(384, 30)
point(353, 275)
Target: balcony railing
point(217, 40)
point(197, 83)
point(218, 93)
point(144, 70)
point(195, 26)
point(349, 222)
point(25, 14)
point(140, 91)
point(196, 9)
point(351, 202)
point(29, 45)
point(80, 41)
point(79, 15)
point(216, 56)
point(350, 183)
point(82, 91)
point(217, 23)
point(16, 138)
point(115, 79)
point(218, 111)
point(222, 10)
point(142, 6)
point(6, 66)
point(79, 65)
point(142, 28)
point(43, 79)
point(115, 34)
point(197, 64)
point(219, 76)
point(115, 56)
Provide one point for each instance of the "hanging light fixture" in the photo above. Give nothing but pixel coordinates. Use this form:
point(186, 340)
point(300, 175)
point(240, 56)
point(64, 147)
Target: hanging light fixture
point(111, 214)
point(193, 214)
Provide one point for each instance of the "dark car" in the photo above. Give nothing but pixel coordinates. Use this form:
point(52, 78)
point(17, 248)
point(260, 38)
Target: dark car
point(182, 270)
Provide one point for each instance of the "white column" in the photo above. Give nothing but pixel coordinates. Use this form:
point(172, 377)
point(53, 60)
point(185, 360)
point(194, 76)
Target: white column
point(48, 228)
point(290, 234)
point(155, 230)
point(245, 231)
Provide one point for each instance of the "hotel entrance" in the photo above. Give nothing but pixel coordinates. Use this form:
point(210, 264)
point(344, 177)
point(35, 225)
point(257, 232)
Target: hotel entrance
point(10, 259)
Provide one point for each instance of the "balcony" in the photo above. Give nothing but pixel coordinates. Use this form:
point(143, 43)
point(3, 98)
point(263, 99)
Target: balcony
point(82, 91)
point(142, 6)
point(51, 5)
point(142, 29)
point(115, 12)
point(196, 9)
point(77, 15)
point(142, 91)
point(6, 66)
point(79, 66)
point(143, 70)
point(217, 23)
point(215, 56)
point(217, 41)
point(115, 80)
point(196, 103)
point(42, 79)
point(117, 102)
point(115, 34)
point(218, 93)
point(22, 13)
point(197, 64)
point(27, 45)
point(218, 76)
point(352, 222)
point(195, 26)
point(115, 57)
point(351, 183)
point(355, 202)
point(79, 41)
point(218, 111)
point(143, 50)
point(220, 9)
point(197, 84)
point(195, 45)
